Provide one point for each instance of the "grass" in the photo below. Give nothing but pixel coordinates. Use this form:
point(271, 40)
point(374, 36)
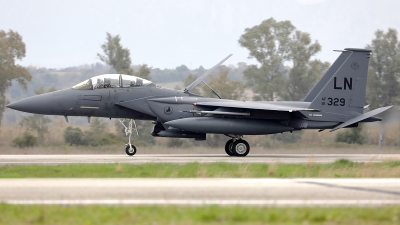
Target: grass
point(340, 168)
point(54, 214)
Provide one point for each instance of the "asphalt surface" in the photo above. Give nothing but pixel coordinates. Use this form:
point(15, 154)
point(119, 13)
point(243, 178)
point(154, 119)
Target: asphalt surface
point(199, 191)
point(186, 158)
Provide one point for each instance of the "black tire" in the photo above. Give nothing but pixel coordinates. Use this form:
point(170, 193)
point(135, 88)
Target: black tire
point(240, 148)
point(228, 147)
point(130, 152)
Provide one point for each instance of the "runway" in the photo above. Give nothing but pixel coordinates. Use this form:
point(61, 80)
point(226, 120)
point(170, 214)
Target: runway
point(188, 158)
point(199, 191)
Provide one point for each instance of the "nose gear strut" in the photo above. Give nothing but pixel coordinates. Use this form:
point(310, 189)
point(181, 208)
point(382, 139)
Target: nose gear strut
point(130, 148)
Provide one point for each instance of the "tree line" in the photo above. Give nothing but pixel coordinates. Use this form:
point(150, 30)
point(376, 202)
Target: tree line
point(286, 69)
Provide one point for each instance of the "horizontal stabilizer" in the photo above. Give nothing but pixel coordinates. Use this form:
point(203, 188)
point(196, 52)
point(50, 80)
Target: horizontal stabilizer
point(361, 117)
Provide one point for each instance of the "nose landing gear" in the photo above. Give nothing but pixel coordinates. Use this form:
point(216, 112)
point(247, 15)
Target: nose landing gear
point(237, 147)
point(130, 148)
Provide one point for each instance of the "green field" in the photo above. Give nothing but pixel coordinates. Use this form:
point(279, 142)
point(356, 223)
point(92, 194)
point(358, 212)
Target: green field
point(340, 168)
point(22, 214)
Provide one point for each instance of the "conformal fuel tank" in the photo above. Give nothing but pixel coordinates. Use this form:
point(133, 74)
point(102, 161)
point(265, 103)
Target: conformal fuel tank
point(228, 126)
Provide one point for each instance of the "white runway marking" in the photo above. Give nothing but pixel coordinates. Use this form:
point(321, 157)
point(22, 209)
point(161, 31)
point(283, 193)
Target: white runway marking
point(209, 202)
point(201, 191)
point(187, 158)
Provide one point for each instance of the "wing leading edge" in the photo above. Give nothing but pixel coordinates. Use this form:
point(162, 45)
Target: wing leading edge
point(273, 106)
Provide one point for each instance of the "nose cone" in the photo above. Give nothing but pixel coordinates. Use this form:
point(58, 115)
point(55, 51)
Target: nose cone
point(41, 104)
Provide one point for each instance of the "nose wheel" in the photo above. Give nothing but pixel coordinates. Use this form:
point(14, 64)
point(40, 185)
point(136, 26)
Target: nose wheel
point(237, 148)
point(130, 150)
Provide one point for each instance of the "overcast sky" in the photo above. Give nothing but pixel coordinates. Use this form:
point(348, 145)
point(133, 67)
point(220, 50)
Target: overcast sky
point(169, 33)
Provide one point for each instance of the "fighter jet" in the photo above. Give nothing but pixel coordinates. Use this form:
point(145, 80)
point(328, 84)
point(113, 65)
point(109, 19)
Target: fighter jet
point(337, 101)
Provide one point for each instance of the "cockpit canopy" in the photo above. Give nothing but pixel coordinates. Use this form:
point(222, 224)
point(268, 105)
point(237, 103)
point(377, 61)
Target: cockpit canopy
point(111, 81)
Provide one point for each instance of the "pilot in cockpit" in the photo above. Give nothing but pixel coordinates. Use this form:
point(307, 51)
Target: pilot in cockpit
point(111, 81)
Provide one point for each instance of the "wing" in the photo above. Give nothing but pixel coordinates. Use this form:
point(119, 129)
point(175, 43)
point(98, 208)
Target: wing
point(272, 106)
point(212, 106)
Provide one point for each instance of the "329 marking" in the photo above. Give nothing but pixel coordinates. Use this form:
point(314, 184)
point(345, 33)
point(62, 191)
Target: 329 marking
point(334, 101)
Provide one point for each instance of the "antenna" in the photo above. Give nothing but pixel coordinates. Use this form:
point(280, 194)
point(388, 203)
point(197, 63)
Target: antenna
point(212, 90)
point(201, 78)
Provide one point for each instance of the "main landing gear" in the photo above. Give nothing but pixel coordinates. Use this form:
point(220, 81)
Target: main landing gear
point(237, 147)
point(130, 148)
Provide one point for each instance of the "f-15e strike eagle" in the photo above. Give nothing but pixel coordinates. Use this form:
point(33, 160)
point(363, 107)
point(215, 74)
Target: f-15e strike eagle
point(336, 101)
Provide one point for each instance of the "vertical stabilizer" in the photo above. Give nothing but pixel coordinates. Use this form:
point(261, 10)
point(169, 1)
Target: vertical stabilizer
point(344, 93)
point(327, 76)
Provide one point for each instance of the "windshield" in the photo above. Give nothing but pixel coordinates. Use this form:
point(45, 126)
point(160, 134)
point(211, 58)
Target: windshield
point(111, 81)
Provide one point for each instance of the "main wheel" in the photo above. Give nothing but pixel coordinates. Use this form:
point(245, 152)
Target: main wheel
point(130, 151)
point(240, 148)
point(228, 147)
